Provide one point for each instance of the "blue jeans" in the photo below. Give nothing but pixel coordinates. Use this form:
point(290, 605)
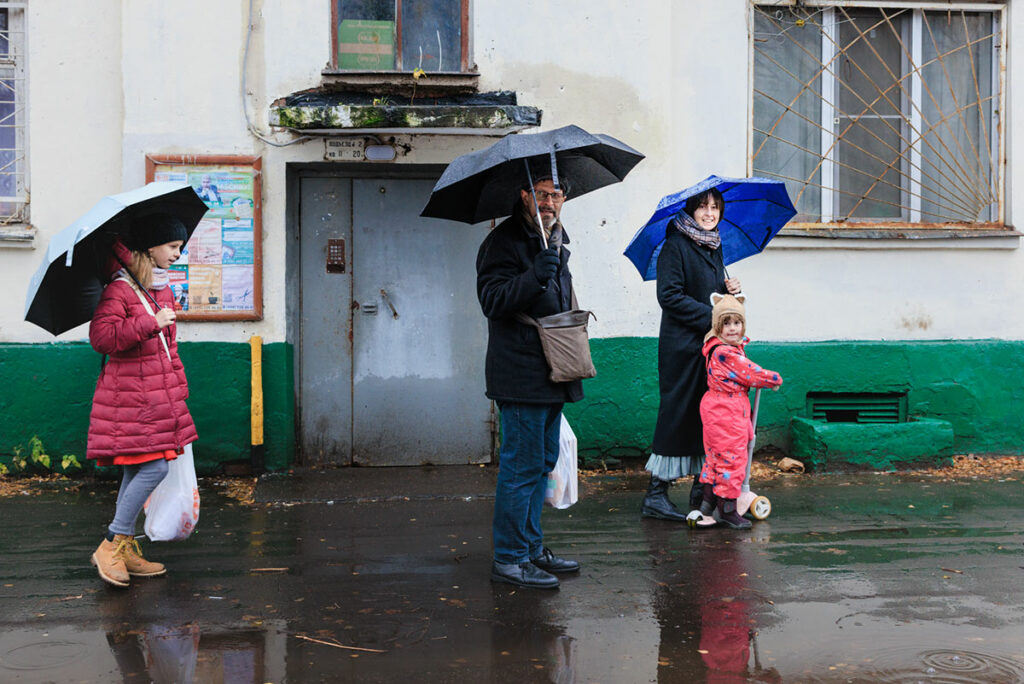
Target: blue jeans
point(529, 451)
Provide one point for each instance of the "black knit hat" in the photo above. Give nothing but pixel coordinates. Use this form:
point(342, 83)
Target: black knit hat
point(151, 230)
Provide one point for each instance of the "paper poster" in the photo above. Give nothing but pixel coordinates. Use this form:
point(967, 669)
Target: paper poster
point(225, 192)
point(204, 246)
point(237, 242)
point(204, 288)
point(178, 275)
point(236, 285)
point(176, 176)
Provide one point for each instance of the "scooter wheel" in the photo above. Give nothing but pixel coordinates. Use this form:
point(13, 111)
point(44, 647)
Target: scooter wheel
point(761, 508)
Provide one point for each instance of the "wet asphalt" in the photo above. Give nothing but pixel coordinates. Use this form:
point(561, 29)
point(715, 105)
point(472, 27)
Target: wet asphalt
point(381, 575)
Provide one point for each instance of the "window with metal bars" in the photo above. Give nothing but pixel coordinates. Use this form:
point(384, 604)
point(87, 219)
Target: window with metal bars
point(13, 116)
point(857, 407)
point(881, 114)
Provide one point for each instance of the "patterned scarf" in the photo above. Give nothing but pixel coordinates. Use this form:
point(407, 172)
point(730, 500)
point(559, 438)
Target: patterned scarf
point(553, 235)
point(685, 224)
point(160, 277)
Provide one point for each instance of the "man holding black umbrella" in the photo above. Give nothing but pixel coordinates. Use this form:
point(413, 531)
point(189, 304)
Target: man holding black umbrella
point(522, 267)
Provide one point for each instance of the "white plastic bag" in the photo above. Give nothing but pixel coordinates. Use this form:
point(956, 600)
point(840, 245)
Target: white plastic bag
point(562, 488)
point(172, 510)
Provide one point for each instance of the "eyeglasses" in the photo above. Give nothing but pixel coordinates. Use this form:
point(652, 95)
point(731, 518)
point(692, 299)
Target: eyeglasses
point(553, 196)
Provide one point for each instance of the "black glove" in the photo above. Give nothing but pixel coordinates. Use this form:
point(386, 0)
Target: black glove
point(545, 265)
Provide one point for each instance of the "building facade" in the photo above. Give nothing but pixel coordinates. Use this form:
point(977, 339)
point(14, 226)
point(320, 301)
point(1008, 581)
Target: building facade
point(324, 128)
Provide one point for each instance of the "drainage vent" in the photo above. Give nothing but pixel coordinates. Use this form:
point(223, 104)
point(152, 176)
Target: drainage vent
point(854, 407)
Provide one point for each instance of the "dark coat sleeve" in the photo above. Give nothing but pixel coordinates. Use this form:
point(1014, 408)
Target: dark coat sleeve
point(503, 286)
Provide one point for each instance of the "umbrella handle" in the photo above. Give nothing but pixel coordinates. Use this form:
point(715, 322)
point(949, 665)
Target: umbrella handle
point(540, 223)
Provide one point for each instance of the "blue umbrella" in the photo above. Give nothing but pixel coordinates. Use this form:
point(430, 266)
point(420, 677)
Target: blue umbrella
point(755, 210)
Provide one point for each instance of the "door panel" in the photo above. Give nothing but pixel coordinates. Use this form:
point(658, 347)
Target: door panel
point(325, 347)
point(418, 335)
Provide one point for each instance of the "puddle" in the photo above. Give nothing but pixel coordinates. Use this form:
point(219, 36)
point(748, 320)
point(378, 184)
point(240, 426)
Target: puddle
point(42, 655)
point(842, 585)
point(163, 654)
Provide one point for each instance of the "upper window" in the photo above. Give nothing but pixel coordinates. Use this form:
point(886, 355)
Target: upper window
point(401, 35)
point(884, 115)
point(13, 168)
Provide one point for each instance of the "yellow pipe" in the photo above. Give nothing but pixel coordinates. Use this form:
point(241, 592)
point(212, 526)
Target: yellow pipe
point(256, 343)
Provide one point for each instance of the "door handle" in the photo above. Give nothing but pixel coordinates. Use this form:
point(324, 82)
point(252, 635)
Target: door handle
point(387, 300)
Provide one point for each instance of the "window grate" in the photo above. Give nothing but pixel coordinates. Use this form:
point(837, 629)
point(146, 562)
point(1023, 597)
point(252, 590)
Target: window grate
point(14, 191)
point(880, 114)
point(863, 407)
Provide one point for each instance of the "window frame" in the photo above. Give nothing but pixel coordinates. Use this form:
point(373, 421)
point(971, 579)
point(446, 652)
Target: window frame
point(16, 229)
point(465, 62)
point(911, 186)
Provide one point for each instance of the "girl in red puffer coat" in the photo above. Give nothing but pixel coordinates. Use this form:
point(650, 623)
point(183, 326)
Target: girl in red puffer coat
point(139, 419)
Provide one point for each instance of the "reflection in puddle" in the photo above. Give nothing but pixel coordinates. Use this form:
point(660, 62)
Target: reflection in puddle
point(163, 654)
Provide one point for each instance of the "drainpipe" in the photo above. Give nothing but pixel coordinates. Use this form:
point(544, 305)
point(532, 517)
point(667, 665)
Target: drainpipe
point(257, 456)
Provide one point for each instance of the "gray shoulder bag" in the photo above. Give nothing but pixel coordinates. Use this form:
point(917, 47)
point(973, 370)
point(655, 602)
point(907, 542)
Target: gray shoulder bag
point(563, 337)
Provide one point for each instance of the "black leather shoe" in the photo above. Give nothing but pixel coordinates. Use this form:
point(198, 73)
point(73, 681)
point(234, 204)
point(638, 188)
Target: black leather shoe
point(524, 574)
point(551, 563)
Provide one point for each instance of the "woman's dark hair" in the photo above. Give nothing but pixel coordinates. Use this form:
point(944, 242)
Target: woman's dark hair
point(700, 198)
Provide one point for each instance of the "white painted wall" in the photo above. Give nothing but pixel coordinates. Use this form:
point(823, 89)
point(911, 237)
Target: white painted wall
point(669, 78)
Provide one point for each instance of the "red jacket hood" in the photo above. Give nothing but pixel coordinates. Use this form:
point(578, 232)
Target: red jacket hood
point(117, 250)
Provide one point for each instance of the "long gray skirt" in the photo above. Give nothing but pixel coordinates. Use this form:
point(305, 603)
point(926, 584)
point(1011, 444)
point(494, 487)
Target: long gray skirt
point(670, 468)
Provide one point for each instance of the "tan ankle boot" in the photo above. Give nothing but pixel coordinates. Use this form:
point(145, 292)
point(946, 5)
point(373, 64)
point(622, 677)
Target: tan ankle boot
point(109, 561)
point(133, 560)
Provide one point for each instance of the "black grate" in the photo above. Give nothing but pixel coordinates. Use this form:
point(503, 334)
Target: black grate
point(857, 407)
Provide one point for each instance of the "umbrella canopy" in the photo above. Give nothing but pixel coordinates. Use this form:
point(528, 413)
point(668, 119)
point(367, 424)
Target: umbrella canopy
point(485, 184)
point(66, 287)
point(755, 210)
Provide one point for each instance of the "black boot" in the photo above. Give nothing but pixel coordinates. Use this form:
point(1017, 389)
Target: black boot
point(727, 515)
point(657, 504)
point(696, 492)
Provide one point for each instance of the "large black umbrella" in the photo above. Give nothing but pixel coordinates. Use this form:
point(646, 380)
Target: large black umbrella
point(66, 287)
point(485, 184)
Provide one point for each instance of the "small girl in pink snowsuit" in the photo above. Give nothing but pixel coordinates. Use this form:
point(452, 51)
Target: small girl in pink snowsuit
point(725, 408)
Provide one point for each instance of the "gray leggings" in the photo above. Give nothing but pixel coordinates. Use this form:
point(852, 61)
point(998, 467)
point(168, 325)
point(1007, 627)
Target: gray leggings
point(138, 483)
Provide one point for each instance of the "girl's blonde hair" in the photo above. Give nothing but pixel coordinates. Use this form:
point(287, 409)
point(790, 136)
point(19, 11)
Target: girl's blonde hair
point(141, 267)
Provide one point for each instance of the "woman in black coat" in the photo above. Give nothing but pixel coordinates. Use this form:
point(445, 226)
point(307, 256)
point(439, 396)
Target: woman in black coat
point(690, 268)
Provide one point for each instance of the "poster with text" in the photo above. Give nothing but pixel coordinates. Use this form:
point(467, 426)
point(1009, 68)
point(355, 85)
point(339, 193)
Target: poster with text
point(178, 276)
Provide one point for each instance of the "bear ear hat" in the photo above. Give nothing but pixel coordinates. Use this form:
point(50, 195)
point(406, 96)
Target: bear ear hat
point(717, 297)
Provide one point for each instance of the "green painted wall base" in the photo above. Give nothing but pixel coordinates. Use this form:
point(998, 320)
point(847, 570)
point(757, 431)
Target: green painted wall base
point(828, 446)
point(973, 384)
point(46, 390)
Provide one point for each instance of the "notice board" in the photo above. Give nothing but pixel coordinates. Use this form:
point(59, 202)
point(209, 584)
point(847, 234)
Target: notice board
point(220, 273)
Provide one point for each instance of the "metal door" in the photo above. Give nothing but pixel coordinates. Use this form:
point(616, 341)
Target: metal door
point(418, 335)
point(392, 341)
point(325, 321)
